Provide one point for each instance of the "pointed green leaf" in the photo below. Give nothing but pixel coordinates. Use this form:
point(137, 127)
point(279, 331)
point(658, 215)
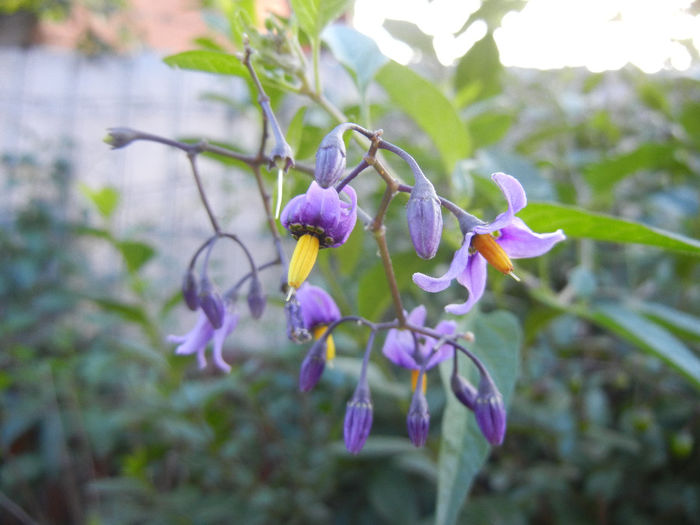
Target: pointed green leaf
point(433, 112)
point(314, 15)
point(479, 71)
point(463, 450)
point(648, 336)
point(135, 254)
point(680, 322)
point(209, 62)
point(105, 199)
point(579, 223)
point(357, 52)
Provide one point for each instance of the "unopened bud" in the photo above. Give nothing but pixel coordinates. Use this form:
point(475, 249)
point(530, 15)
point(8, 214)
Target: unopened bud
point(256, 298)
point(463, 390)
point(330, 158)
point(296, 330)
point(424, 216)
point(312, 366)
point(211, 303)
point(490, 411)
point(189, 290)
point(418, 419)
point(358, 418)
point(120, 137)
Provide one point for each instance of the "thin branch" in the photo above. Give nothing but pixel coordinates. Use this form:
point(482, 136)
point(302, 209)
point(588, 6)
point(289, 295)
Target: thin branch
point(192, 156)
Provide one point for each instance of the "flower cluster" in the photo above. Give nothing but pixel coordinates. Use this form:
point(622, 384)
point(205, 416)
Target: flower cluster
point(324, 217)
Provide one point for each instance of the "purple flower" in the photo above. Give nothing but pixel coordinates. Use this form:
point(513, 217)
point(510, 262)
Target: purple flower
point(318, 310)
point(196, 340)
point(401, 349)
point(317, 219)
point(513, 239)
point(321, 213)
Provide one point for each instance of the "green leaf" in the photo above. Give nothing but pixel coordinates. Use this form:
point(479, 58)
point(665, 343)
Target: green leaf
point(314, 15)
point(128, 312)
point(296, 129)
point(648, 336)
point(579, 223)
point(681, 322)
point(603, 175)
point(433, 112)
point(135, 254)
point(209, 62)
point(105, 199)
point(479, 71)
point(463, 450)
point(357, 52)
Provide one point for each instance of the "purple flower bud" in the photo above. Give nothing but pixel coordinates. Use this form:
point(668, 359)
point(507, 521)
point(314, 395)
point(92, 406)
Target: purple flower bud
point(120, 137)
point(312, 366)
point(296, 330)
point(418, 419)
point(358, 418)
point(189, 290)
point(211, 303)
point(464, 391)
point(490, 412)
point(330, 158)
point(256, 298)
point(424, 216)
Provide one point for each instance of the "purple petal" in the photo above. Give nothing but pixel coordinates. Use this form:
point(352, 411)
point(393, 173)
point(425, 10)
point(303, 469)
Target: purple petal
point(317, 307)
point(321, 207)
point(196, 339)
point(473, 278)
point(458, 264)
point(290, 213)
point(398, 348)
point(520, 242)
point(230, 322)
point(417, 315)
point(445, 351)
point(347, 218)
point(515, 197)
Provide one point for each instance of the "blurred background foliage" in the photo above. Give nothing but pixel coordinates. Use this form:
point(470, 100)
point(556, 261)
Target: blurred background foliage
point(102, 424)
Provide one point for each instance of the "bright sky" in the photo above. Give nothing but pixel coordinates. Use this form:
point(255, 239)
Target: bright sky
point(547, 34)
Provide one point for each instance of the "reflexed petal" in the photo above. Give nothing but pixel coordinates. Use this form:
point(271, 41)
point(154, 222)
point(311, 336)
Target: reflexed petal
point(515, 197)
point(417, 315)
point(321, 207)
point(398, 348)
point(519, 241)
point(317, 306)
point(445, 351)
point(290, 212)
point(473, 278)
point(230, 322)
point(458, 264)
point(347, 218)
point(196, 339)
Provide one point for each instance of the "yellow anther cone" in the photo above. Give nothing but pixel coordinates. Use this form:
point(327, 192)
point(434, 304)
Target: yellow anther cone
point(487, 246)
point(330, 344)
point(303, 260)
point(414, 380)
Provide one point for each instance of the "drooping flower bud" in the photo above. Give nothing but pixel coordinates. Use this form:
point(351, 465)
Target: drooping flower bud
point(463, 390)
point(211, 303)
point(120, 137)
point(358, 418)
point(490, 411)
point(418, 419)
point(189, 290)
point(312, 366)
point(296, 330)
point(330, 158)
point(424, 216)
point(256, 298)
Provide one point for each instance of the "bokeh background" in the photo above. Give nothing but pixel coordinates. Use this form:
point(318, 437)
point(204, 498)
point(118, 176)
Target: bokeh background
point(590, 104)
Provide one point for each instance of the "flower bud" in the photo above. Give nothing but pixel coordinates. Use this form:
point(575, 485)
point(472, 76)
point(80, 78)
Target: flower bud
point(330, 158)
point(424, 216)
point(281, 156)
point(418, 419)
point(490, 412)
point(189, 290)
point(296, 330)
point(312, 366)
point(463, 390)
point(256, 298)
point(120, 137)
point(211, 303)
point(358, 418)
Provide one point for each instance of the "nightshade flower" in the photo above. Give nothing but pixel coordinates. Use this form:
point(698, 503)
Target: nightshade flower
point(414, 351)
point(506, 237)
point(196, 340)
point(317, 219)
point(318, 310)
